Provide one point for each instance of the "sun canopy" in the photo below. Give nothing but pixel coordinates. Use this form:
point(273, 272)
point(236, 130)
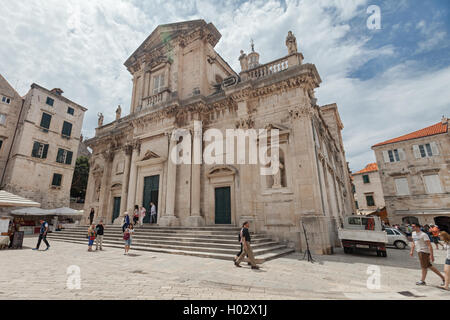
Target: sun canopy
point(32, 212)
point(65, 211)
point(11, 200)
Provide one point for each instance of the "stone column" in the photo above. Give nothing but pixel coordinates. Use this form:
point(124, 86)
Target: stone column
point(169, 218)
point(105, 188)
point(126, 179)
point(133, 179)
point(196, 220)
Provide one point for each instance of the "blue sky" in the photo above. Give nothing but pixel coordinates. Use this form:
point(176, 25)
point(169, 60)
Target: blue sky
point(386, 82)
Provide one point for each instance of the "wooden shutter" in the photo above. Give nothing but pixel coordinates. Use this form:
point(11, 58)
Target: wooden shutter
point(434, 148)
point(69, 157)
point(59, 157)
point(416, 151)
point(45, 151)
point(401, 154)
point(386, 157)
point(433, 184)
point(35, 151)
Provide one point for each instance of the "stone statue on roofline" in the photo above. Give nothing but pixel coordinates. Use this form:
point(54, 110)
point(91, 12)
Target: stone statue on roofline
point(291, 43)
point(118, 112)
point(100, 119)
point(243, 59)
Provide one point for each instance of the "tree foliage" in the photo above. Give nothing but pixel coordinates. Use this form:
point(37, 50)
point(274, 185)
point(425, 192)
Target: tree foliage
point(80, 178)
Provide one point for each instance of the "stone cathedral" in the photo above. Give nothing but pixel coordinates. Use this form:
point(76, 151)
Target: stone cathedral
point(179, 78)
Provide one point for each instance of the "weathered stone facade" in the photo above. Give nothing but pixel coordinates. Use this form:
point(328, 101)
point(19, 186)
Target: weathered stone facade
point(415, 175)
point(46, 137)
point(178, 78)
point(368, 187)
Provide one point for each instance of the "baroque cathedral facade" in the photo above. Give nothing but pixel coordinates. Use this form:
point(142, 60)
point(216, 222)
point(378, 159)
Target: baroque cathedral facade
point(179, 79)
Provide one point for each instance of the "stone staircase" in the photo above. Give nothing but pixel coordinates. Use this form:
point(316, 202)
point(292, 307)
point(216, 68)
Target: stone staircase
point(218, 242)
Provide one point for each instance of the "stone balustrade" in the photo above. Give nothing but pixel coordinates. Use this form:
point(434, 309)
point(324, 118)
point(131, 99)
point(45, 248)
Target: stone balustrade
point(268, 68)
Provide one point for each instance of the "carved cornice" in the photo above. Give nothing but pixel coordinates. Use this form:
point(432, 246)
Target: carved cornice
point(247, 123)
point(298, 112)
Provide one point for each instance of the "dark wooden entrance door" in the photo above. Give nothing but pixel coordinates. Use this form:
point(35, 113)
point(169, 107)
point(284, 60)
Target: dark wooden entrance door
point(116, 208)
point(223, 205)
point(151, 192)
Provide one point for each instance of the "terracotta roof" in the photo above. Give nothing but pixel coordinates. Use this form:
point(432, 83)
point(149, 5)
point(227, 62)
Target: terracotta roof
point(437, 128)
point(371, 167)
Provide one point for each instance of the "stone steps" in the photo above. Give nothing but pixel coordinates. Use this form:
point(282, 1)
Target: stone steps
point(212, 242)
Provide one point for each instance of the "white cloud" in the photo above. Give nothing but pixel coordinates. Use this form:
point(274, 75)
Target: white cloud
point(81, 46)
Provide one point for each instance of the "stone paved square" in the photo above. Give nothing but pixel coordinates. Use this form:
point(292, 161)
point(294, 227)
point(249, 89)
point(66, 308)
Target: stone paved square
point(109, 274)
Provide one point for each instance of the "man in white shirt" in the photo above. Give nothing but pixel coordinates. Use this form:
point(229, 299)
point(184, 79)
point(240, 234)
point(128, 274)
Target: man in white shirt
point(422, 244)
point(152, 212)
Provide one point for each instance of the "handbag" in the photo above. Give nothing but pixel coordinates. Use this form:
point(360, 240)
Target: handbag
point(126, 236)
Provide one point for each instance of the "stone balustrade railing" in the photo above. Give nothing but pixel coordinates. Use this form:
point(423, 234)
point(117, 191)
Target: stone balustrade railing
point(268, 68)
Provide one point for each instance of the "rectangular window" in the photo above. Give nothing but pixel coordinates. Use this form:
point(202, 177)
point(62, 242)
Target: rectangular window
point(66, 129)
point(3, 119)
point(1, 144)
point(402, 186)
point(57, 179)
point(40, 150)
point(70, 110)
point(158, 83)
point(45, 120)
point(6, 100)
point(356, 204)
point(366, 179)
point(64, 156)
point(50, 101)
point(433, 184)
point(370, 201)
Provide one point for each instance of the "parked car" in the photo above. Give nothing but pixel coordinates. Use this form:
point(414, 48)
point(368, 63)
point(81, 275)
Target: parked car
point(396, 238)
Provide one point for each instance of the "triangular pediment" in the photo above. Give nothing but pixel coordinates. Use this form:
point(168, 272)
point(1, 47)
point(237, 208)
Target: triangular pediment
point(165, 33)
point(150, 155)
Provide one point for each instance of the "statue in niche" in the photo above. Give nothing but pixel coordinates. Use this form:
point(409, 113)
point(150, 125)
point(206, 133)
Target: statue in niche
point(243, 59)
point(291, 43)
point(100, 119)
point(118, 112)
point(278, 177)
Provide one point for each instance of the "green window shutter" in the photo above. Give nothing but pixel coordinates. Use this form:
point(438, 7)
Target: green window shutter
point(50, 101)
point(69, 157)
point(56, 181)
point(45, 151)
point(67, 129)
point(35, 151)
point(60, 156)
point(45, 121)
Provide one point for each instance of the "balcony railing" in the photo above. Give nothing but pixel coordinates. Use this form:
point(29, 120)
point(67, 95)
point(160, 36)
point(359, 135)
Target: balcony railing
point(272, 67)
point(155, 99)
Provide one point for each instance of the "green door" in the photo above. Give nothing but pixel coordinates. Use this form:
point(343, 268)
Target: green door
point(116, 208)
point(151, 191)
point(223, 205)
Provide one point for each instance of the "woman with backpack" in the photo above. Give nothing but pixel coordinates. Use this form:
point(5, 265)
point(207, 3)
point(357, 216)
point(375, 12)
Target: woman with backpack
point(127, 237)
point(91, 236)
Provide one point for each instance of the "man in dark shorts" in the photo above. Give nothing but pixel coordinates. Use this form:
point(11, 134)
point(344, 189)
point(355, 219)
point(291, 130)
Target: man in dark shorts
point(422, 244)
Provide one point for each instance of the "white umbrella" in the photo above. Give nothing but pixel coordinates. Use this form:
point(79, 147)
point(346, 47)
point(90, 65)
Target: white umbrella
point(31, 212)
point(65, 211)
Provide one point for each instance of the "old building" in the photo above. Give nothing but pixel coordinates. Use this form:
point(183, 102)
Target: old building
point(43, 134)
point(369, 192)
point(415, 175)
point(179, 78)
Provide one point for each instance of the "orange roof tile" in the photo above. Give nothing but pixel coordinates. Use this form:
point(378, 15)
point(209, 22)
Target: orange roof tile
point(437, 128)
point(371, 167)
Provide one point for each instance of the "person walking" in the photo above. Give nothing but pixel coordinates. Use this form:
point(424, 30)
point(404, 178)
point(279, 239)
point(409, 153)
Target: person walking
point(422, 244)
point(136, 214)
point(91, 216)
point(91, 236)
point(126, 221)
point(43, 235)
point(127, 237)
point(247, 248)
point(142, 213)
point(436, 239)
point(446, 237)
point(100, 230)
point(152, 213)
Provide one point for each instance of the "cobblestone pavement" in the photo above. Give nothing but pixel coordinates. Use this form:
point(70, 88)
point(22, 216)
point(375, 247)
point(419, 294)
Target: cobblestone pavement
point(27, 274)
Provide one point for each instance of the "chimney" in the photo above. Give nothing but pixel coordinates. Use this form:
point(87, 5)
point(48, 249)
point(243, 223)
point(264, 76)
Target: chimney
point(444, 120)
point(57, 91)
